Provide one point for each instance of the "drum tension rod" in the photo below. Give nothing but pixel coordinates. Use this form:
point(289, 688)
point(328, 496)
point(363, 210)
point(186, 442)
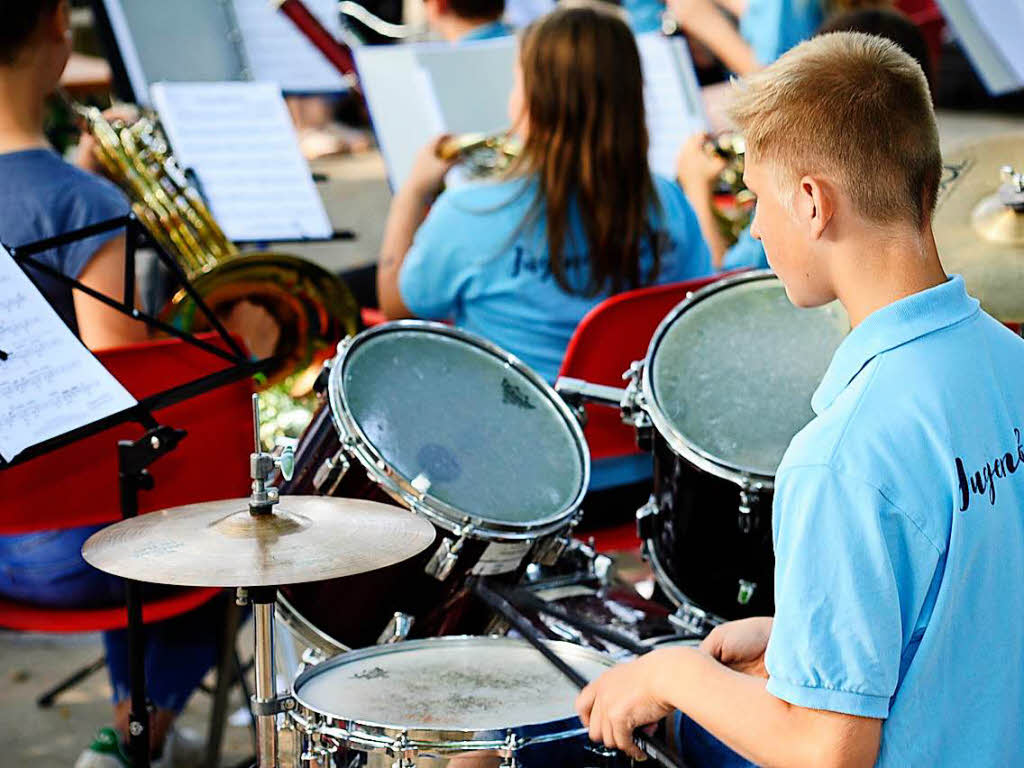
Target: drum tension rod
point(652, 746)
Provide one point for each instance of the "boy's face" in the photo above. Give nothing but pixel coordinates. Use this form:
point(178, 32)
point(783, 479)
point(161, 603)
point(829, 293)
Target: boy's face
point(781, 224)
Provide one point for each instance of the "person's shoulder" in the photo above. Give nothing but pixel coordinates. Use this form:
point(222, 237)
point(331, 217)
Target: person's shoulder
point(669, 193)
point(81, 192)
point(483, 197)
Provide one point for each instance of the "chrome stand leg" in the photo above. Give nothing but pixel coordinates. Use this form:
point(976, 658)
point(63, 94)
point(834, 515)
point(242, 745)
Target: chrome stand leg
point(266, 682)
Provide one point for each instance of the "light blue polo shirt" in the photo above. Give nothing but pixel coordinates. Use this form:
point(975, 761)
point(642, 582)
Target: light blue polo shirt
point(489, 31)
point(899, 536)
point(772, 27)
point(746, 253)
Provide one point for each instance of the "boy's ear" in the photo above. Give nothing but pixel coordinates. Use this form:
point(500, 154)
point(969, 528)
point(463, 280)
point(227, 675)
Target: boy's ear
point(815, 204)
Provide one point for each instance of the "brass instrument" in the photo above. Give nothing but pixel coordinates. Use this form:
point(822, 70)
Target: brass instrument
point(312, 307)
point(482, 154)
point(733, 218)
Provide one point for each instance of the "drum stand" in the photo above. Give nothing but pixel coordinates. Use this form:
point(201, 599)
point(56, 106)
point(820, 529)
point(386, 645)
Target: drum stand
point(135, 456)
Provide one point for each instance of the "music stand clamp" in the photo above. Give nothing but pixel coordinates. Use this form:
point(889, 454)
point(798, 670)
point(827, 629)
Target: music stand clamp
point(135, 456)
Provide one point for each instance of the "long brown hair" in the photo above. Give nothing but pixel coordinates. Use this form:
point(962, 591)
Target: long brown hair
point(587, 142)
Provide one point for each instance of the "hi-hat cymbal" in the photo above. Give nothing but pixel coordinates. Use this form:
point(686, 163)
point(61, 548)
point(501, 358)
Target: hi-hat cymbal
point(220, 544)
point(978, 235)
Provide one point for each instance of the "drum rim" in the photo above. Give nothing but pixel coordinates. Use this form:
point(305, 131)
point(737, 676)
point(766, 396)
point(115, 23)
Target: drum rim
point(381, 471)
point(374, 735)
point(675, 439)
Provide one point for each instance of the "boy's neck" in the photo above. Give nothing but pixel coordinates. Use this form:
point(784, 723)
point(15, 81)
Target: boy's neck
point(881, 269)
point(22, 103)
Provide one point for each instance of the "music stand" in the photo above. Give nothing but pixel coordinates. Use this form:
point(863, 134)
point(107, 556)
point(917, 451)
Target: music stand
point(135, 456)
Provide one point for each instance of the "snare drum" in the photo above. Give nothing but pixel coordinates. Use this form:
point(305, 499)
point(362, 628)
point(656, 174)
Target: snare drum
point(725, 386)
point(469, 702)
point(453, 428)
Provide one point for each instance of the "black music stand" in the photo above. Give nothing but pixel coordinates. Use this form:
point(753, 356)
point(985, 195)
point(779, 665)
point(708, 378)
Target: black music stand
point(135, 456)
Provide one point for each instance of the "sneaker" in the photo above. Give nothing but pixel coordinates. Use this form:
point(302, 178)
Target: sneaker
point(106, 751)
point(182, 749)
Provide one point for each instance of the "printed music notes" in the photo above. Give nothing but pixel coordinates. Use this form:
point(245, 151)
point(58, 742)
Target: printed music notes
point(671, 98)
point(49, 382)
point(239, 141)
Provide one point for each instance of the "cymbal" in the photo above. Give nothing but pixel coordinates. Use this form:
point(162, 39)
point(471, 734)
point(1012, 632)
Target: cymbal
point(220, 544)
point(979, 236)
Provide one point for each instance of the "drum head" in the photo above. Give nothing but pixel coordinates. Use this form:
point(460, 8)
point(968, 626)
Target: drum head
point(732, 373)
point(456, 419)
point(450, 684)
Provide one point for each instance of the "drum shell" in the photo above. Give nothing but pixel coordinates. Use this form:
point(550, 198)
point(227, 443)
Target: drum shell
point(701, 543)
point(354, 611)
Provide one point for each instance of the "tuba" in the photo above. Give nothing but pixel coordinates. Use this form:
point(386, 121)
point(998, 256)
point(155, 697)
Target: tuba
point(312, 307)
point(481, 154)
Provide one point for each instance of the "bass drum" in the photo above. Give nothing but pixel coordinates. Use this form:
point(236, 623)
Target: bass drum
point(450, 426)
point(726, 384)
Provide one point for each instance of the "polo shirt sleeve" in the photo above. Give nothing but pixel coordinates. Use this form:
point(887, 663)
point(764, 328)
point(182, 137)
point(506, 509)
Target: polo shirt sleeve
point(845, 559)
point(436, 269)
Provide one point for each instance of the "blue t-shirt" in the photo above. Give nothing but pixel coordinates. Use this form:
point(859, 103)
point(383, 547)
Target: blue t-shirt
point(475, 262)
point(745, 253)
point(42, 196)
point(899, 536)
point(772, 27)
point(489, 31)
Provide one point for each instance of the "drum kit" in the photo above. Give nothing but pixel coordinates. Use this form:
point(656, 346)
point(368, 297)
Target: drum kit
point(441, 478)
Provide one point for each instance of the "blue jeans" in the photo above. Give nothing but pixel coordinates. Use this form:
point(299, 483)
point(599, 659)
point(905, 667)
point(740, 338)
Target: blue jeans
point(47, 569)
point(699, 749)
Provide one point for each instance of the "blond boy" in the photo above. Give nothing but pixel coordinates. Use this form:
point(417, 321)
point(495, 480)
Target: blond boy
point(899, 511)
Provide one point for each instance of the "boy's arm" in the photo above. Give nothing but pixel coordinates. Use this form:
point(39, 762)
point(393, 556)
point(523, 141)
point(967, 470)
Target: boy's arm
point(735, 707)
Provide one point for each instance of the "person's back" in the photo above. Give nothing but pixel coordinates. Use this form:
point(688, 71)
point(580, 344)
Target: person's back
point(475, 262)
point(913, 390)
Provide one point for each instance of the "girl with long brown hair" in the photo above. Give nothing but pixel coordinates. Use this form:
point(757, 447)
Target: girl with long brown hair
point(521, 259)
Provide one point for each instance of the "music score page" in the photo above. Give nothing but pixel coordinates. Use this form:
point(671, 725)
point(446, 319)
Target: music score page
point(50, 383)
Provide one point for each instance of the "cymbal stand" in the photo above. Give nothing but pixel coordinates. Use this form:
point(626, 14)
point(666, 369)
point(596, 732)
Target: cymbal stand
point(266, 704)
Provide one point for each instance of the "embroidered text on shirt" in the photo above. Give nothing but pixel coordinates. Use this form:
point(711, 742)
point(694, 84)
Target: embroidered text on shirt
point(983, 482)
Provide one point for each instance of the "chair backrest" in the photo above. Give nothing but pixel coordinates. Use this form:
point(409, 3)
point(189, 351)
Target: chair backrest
point(608, 339)
point(77, 485)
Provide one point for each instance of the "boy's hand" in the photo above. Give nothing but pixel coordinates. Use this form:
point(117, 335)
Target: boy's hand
point(85, 154)
point(740, 645)
point(624, 698)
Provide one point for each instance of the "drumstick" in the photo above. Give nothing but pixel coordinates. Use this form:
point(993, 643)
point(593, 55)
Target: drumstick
point(652, 746)
point(525, 599)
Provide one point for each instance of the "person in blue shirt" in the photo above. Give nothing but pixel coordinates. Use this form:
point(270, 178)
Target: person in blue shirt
point(698, 170)
point(898, 516)
point(462, 21)
point(41, 196)
point(522, 258)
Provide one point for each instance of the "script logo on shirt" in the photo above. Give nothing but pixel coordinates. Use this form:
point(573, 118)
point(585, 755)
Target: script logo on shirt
point(983, 481)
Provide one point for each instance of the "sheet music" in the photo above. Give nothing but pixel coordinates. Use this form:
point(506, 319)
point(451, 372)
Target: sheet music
point(465, 88)
point(277, 51)
point(990, 32)
point(49, 382)
point(239, 141)
point(671, 98)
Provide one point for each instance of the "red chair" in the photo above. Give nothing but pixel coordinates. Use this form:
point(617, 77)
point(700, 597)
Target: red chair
point(77, 485)
point(606, 342)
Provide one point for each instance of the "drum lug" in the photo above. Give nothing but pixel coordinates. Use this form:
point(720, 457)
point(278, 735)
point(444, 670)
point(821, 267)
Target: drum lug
point(634, 410)
point(749, 519)
point(443, 561)
point(549, 552)
point(322, 378)
point(330, 474)
point(404, 754)
point(645, 517)
point(510, 750)
point(320, 753)
point(692, 620)
point(345, 343)
point(397, 629)
point(310, 658)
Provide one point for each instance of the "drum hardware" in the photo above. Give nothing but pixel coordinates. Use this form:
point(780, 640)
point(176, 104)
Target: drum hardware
point(265, 542)
point(749, 520)
point(645, 519)
point(443, 562)
point(398, 629)
point(692, 620)
point(330, 474)
point(651, 745)
point(979, 222)
point(311, 657)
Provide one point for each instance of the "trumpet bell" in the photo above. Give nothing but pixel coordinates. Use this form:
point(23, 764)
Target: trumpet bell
point(312, 308)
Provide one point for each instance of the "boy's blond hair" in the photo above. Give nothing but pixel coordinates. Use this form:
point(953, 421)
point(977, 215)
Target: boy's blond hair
point(854, 107)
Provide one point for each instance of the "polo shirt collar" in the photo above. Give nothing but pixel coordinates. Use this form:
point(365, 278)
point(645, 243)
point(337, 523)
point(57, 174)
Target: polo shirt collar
point(891, 326)
point(489, 31)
